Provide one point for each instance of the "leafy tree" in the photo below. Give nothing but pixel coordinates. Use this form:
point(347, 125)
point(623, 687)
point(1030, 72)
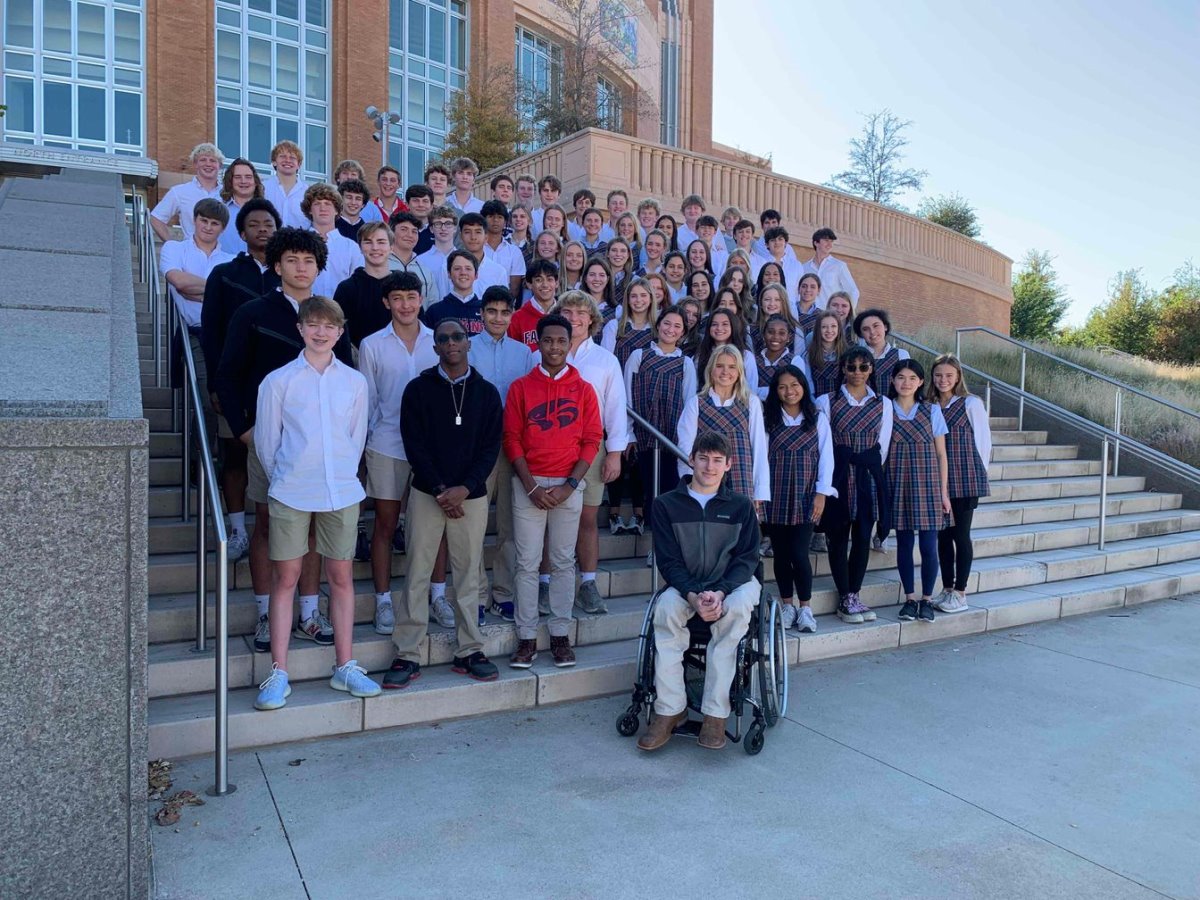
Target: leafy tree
point(1039, 301)
point(1176, 334)
point(951, 211)
point(876, 158)
point(483, 121)
point(1128, 318)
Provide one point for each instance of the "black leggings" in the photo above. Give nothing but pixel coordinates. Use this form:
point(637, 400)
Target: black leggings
point(849, 550)
point(955, 551)
point(668, 478)
point(793, 565)
point(627, 484)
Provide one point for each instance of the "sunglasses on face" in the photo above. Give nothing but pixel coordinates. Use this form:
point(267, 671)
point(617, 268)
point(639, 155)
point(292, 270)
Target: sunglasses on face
point(861, 367)
point(454, 337)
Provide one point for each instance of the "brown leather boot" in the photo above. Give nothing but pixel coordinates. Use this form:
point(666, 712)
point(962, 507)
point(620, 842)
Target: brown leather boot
point(659, 731)
point(712, 733)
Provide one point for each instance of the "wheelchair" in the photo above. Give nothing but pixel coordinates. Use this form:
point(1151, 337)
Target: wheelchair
point(760, 680)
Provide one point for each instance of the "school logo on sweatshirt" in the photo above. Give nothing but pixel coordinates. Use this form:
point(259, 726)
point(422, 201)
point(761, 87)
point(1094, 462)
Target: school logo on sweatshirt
point(558, 413)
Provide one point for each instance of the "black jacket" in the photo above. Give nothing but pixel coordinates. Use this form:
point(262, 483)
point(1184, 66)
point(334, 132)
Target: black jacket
point(709, 549)
point(229, 286)
point(361, 298)
point(262, 337)
point(442, 454)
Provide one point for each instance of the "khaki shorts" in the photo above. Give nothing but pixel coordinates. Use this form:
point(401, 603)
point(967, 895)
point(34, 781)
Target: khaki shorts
point(337, 531)
point(387, 477)
point(593, 490)
point(257, 483)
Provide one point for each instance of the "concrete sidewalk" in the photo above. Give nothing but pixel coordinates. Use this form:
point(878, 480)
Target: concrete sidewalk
point(1056, 760)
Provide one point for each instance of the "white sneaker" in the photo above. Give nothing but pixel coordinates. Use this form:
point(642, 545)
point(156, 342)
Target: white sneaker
point(951, 602)
point(442, 611)
point(789, 614)
point(385, 619)
point(650, 560)
point(806, 621)
point(352, 678)
point(237, 546)
point(616, 525)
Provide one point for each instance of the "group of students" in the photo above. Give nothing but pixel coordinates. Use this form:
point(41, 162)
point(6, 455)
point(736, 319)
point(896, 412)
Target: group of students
point(438, 353)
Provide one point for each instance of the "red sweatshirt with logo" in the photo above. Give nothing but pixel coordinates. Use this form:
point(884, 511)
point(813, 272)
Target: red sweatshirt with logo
point(552, 422)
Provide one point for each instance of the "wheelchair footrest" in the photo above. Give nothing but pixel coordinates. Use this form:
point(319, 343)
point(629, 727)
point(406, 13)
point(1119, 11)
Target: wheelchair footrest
point(691, 728)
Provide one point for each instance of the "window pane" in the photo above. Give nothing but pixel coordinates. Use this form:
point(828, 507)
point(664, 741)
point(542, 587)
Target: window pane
point(89, 28)
point(287, 107)
point(287, 69)
point(260, 63)
point(288, 9)
point(259, 101)
point(458, 44)
point(229, 17)
point(438, 74)
point(395, 90)
point(287, 130)
point(315, 12)
point(314, 75)
point(417, 135)
point(92, 73)
point(314, 112)
point(128, 77)
point(396, 24)
point(128, 40)
point(314, 149)
point(259, 138)
point(287, 32)
point(52, 66)
point(56, 108)
point(416, 102)
point(18, 23)
point(261, 5)
point(127, 115)
point(56, 26)
point(229, 132)
point(259, 24)
point(437, 36)
point(229, 65)
point(229, 95)
point(18, 94)
point(91, 113)
point(314, 38)
point(416, 28)
point(18, 62)
point(437, 107)
point(416, 164)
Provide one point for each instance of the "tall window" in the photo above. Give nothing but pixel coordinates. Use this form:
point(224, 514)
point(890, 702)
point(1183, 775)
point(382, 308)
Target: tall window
point(273, 79)
point(427, 63)
point(74, 74)
point(539, 72)
point(608, 104)
point(669, 84)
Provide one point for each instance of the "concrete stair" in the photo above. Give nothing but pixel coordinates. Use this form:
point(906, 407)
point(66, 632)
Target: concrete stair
point(1035, 560)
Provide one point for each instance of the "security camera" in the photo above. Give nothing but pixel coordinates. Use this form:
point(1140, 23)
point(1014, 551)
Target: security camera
point(372, 112)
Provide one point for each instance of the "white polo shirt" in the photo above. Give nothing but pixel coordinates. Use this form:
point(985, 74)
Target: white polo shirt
point(388, 367)
point(186, 256)
point(473, 204)
point(508, 256)
point(287, 203)
point(180, 200)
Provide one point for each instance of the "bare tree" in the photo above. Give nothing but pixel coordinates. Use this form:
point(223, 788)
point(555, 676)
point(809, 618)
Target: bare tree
point(483, 121)
point(600, 42)
point(875, 161)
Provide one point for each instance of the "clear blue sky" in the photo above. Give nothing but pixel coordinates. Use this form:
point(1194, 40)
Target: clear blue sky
point(1072, 127)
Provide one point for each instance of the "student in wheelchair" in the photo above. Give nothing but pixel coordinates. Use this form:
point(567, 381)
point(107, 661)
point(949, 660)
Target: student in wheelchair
point(706, 541)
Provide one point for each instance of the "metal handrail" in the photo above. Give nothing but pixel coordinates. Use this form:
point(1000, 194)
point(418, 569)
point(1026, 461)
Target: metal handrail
point(208, 498)
point(660, 441)
point(1173, 467)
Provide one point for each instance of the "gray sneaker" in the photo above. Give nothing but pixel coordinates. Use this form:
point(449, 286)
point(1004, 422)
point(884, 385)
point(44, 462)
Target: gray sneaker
point(805, 621)
point(442, 612)
point(788, 613)
point(950, 602)
point(819, 544)
point(543, 598)
point(237, 546)
point(587, 599)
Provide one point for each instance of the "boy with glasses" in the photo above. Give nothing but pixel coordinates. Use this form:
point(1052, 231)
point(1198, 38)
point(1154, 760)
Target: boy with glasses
point(443, 222)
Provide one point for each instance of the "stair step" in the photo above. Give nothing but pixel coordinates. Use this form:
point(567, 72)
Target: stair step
point(1006, 438)
point(182, 726)
point(165, 501)
point(165, 443)
point(1018, 452)
point(156, 398)
point(1065, 468)
point(1003, 423)
point(159, 419)
point(165, 470)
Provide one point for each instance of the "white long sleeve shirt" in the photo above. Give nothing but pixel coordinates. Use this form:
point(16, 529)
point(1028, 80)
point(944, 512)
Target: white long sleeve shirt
point(508, 257)
point(825, 449)
point(599, 368)
point(835, 276)
point(980, 425)
point(608, 336)
point(180, 200)
point(186, 256)
point(885, 424)
point(287, 203)
point(388, 367)
point(309, 434)
point(759, 466)
point(344, 256)
point(798, 360)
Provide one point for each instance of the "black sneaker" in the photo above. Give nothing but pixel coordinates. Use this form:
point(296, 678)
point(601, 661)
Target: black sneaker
point(402, 674)
point(362, 544)
point(908, 612)
point(476, 666)
point(925, 611)
point(398, 538)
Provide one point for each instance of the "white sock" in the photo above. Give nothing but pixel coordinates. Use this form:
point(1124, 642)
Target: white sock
point(308, 607)
point(585, 577)
point(263, 602)
point(544, 579)
point(238, 521)
point(384, 597)
point(437, 589)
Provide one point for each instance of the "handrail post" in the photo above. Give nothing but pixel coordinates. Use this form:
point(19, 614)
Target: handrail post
point(1103, 493)
point(1021, 400)
point(1117, 428)
point(657, 487)
point(958, 344)
point(184, 486)
point(201, 556)
point(221, 785)
point(987, 397)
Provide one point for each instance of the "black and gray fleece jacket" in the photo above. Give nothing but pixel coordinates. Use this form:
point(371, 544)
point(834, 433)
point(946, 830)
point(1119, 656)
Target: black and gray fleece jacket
point(709, 549)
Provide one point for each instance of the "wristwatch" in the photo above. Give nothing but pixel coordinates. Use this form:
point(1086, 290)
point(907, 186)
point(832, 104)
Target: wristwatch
point(574, 483)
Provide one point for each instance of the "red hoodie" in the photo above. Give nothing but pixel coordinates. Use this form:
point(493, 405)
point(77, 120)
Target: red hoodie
point(552, 422)
point(523, 326)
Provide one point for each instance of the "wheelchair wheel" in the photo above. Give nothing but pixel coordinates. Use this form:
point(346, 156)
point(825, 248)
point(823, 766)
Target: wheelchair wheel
point(772, 661)
point(755, 738)
point(627, 723)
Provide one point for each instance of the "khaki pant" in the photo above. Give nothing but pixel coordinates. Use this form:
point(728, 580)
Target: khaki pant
point(504, 560)
point(671, 639)
point(531, 528)
point(257, 483)
point(464, 539)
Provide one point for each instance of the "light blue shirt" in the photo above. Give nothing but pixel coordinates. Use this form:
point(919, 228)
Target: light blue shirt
point(500, 361)
point(936, 420)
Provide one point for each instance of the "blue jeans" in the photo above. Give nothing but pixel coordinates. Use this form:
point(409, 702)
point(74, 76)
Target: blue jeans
point(929, 560)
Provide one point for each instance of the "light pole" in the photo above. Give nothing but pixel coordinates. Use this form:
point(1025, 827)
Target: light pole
point(381, 120)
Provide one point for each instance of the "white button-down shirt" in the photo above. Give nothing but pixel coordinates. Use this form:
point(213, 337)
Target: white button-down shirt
point(343, 258)
point(885, 424)
point(287, 203)
point(388, 366)
point(230, 241)
point(600, 369)
point(835, 276)
point(824, 448)
point(500, 361)
point(180, 200)
point(309, 434)
point(186, 256)
point(473, 204)
point(759, 466)
point(508, 257)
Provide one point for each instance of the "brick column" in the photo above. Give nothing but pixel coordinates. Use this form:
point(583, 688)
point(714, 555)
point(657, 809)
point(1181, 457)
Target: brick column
point(492, 25)
point(697, 88)
point(359, 54)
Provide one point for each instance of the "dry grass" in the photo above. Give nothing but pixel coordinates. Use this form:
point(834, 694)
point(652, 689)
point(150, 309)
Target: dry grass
point(1151, 423)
